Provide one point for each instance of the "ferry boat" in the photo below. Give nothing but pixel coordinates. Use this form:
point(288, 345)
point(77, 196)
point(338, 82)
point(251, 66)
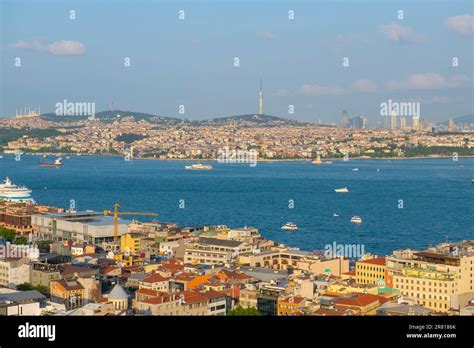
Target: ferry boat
point(289, 226)
point(342, 189)
point(317, 160)
point(12, 192)
point(356, 219)
point(199, 166)
point(57, 163)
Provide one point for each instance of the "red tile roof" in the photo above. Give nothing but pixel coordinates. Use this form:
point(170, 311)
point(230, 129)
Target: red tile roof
point(192, 296)
point(375, 261)
point(296, 299)
point(361, 300)
point(155, 278)
point(212, 294)
point(163, 297)
point(148, 292)
point(186, 276)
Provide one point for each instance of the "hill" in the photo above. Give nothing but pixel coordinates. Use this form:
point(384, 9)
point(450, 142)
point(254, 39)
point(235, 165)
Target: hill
point(242, 120)
point(466, 119)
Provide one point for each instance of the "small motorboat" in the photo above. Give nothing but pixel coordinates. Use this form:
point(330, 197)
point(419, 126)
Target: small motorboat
point(289, 226)
point(355, 169)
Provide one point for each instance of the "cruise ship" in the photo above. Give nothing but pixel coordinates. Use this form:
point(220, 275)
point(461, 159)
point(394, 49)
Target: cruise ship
point(12, 192)
point(198, 166)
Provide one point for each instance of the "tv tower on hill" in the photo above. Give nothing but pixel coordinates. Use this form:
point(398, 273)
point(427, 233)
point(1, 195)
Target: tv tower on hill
point(261, 98)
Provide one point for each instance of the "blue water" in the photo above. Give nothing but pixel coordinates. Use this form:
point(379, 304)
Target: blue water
point(437, 194)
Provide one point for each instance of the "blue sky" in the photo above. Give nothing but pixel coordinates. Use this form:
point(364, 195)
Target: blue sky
point(190, 62)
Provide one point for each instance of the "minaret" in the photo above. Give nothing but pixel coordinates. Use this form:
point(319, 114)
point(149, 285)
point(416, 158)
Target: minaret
point(261, 98)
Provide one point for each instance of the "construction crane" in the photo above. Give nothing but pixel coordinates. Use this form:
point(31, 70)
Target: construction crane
point(116, 214)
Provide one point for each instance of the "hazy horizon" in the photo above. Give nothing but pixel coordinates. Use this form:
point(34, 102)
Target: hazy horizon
point(191, 61)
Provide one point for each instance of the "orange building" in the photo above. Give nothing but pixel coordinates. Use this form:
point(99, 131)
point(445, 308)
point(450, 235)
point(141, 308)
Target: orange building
point(291, 305)
point(69, 292)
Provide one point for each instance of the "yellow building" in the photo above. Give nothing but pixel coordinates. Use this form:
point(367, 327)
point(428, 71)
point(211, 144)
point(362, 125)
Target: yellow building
point(68, 292)
point(371, 271)
point(130, 242)
point(123, 259)
point(437, 281)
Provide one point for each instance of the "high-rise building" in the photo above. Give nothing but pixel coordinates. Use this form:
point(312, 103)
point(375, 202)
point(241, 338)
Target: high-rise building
point(393, 121)
point(403, 122)
point(359, 122)
point(451, 125)
point(344, 119)
point(416, 123)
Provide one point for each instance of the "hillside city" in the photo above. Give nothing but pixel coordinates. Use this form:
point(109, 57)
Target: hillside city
point(274, 138)
point(61, 262)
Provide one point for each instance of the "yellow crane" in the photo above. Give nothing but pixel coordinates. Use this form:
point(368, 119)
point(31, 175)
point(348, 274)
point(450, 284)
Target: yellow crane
point(116, 214)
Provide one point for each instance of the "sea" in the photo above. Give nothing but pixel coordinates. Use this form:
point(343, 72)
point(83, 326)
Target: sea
point(410, 203)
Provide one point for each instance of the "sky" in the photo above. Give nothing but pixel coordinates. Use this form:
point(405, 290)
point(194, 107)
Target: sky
point(423, 54)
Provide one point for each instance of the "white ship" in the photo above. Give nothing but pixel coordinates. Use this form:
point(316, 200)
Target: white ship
point(355, 169)
point(356, 219)
point(12, 192)
point(198, 166)
point(289, 226)
point(342, 189)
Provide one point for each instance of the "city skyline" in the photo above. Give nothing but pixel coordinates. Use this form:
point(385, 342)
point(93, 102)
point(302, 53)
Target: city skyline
point(418, 58)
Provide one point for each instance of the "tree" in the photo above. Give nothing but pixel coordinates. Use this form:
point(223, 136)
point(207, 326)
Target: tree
point(241, 311)
point(27, 286)
point(7, 233)
point(21, 241)
point(43, 245)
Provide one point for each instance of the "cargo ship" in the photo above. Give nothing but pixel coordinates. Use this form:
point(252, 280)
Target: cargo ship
point(57, 163)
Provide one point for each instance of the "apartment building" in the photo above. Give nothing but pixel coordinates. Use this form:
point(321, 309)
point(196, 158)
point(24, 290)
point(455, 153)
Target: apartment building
point(291, 305)
point(216, 303)
point(130, 242)
point(161, 303)
point(68, 292)
point(371, 271)
point(438, 281)
point(155, 282)
point(42, 273)
point(212, 251)
point(14, 271)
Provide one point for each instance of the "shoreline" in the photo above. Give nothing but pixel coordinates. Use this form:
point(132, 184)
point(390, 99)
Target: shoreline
point(258, 160)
